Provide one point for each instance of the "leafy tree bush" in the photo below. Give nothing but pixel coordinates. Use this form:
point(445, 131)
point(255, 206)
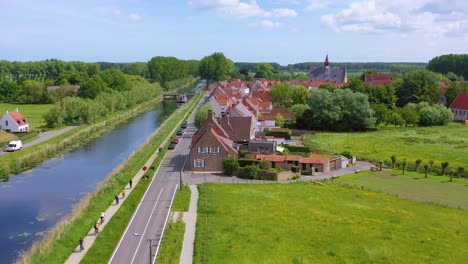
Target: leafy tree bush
point(202, 115)
point(340, 110)
point(251, 171)
point(230, 166)
point(264, 165)
point(418, 86)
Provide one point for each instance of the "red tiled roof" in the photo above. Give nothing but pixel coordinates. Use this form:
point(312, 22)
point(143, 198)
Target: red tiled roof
point(311, 160)
point(225, 142)
point(376, 79)
point(20, 120)
point(274, 158)
point(222, 99)
point(460, 102)
point(293, 158)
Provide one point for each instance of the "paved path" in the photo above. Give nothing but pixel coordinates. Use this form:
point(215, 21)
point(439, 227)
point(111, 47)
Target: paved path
point(198, 178)
point(190, 219)
point(43, 136)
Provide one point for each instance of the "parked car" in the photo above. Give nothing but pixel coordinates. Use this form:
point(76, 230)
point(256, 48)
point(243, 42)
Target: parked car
point(184, 126)
point(171, 146)
point(14, 145)
point(180, 132)
point(175, 141)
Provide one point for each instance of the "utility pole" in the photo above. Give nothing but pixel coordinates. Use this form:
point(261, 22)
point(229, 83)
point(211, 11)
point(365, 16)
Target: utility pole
point(151, 250)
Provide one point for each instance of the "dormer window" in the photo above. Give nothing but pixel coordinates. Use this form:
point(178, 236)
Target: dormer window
point(6, 122)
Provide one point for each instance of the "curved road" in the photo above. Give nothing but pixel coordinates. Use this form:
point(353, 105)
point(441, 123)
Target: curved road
point(43, 136)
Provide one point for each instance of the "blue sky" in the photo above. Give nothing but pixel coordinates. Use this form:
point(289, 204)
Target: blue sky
point(284, 31)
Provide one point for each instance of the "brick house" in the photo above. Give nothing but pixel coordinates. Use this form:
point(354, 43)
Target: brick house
point(210, 145)
point(318, 164)
point(459, 107)
point(14, 122)
point(375, 79)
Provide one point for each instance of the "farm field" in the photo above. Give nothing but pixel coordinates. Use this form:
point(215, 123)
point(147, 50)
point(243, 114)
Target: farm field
point(413, 185)
point(444, 143)
point(306, 223)
point(32, 112)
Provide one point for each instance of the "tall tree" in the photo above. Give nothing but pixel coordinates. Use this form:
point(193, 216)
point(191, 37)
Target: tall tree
point(418, 86)
point(216, 67)
point(280, 93)
point(264, 70)
point(300, 94)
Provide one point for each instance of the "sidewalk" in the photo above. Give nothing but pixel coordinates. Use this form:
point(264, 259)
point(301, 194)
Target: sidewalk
point(78, 254)
point(190, 219)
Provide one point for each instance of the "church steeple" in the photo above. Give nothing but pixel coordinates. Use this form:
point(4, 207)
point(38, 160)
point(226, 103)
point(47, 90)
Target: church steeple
point(326, 63)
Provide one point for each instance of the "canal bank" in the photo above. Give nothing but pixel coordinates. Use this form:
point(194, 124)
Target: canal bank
point(61, 241)
point(20, 161)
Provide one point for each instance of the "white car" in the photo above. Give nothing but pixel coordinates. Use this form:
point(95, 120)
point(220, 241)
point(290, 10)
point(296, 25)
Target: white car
point(14, 145)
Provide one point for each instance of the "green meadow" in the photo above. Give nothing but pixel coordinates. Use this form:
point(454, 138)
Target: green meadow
point(441, 143)
point(414, 186)
point(307, 223)
point(32, 112)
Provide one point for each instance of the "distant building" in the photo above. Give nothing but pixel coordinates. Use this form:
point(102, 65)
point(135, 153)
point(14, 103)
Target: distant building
point(14, 122)
point(375, 79)
point(329, 74)
point(459, 107)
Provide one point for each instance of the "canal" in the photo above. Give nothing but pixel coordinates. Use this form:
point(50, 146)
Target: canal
point(34, 201)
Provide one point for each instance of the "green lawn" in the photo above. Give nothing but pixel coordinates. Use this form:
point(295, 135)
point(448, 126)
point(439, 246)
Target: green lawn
point(182, 199)
point(32, 112)
point(442, 143)
point(413, 185)
point(307, 223)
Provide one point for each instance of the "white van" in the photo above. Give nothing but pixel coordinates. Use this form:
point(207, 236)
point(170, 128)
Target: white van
point(14, 145)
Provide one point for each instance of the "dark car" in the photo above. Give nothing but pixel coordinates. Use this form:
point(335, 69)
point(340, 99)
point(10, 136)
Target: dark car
point(184, 126)
point(175, 141)
point(180, 132)
point(171, 146)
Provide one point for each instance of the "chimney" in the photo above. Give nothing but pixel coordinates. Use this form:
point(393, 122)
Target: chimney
point(17, 110)
point(7, 112)
point(210, 114)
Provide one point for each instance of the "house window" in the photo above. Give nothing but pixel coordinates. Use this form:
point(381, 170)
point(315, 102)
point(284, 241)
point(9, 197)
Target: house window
point(199, 163)
point(203, 150)
point(6, 122)
point(214, 150)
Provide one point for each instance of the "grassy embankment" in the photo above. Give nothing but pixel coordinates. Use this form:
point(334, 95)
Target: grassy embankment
point(23, 160)
point(61, 241)
point(412, 185)
point(438, 143)
point(307, 223)
point(174, 235)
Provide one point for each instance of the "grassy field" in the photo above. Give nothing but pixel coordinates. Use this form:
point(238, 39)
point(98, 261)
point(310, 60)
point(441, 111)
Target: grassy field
point(445, 143)
point(6, 137)
point(32, 112)
point(182, 199)
point(306, 223)
point(413, 185)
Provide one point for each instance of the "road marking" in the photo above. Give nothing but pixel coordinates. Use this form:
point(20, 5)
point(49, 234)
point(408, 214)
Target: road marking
point(147, 223)
point(134, 214)
point(165, 222)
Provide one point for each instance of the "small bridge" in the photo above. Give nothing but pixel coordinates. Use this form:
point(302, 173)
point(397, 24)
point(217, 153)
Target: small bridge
point(178, 97)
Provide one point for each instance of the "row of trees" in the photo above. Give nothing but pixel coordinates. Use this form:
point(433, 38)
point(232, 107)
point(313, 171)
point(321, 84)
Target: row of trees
point(166, 69)
point(75, 109)
point(43, 70)
point(453, 65)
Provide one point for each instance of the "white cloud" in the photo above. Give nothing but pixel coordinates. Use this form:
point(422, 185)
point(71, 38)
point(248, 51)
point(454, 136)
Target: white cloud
point(135, 17)
point(314, 5)
point(237, 8)
point(432, 19)
point(266, 24)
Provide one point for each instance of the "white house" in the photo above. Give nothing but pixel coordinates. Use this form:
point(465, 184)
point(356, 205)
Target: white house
point(14, 122)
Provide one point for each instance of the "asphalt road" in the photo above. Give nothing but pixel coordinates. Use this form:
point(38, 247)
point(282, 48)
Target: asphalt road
point(141, 240)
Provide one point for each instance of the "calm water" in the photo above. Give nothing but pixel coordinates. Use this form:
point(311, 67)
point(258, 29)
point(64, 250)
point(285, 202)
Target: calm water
point(34, 201)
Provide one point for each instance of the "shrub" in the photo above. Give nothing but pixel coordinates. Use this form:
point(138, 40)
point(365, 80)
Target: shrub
point(295, 169)
point(230, 166)
point(297, 149)
point(306, 172)
point(347, 154)
point(264, 165)
point(246, 162)
point(251, 171)
point(242, 153)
